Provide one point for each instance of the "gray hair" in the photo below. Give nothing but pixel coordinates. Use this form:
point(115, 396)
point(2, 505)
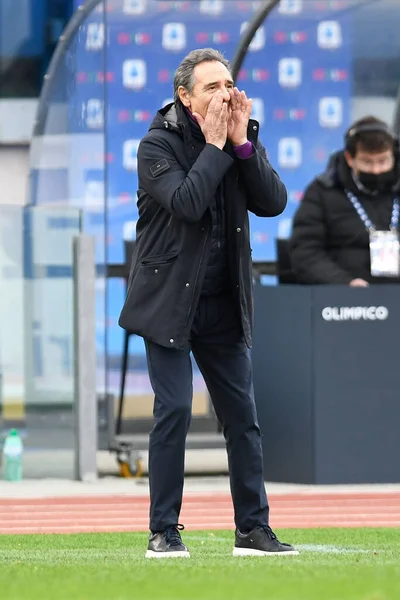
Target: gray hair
point(184, 74)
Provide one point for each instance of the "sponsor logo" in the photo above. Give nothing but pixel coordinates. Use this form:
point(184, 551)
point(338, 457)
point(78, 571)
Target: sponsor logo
point(330, 112)
point(329, 35)
point(290, 7)
point(95, 36)
point(174, 37)
point(140, 38)
point(355, 313)
point(291, 114)
point(136, 116)
point(211, 7)
point(293, 37)
point(289, 153)
point(95, 77)
point(216, 37)
point(289, 70)
point(95, 113)
point(256, 75)
point(134, 74)
point(129, 153)
point(335, 75)
point(134, 7)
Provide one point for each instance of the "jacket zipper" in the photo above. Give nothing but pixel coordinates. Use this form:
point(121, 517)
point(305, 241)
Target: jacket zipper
point(218, 211)
point(196, 278)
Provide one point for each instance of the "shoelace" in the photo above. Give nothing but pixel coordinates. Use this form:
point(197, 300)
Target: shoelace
point(269, 532)
point(172, 535)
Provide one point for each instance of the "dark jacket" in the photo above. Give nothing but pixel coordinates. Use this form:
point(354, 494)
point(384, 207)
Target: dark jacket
point(178, 178)
point(216, 277)
point(329, 242)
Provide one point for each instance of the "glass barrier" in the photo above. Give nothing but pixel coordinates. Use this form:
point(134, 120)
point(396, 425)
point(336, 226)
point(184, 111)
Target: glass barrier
point(36, 334)
point(311, 69)
point(68, 154)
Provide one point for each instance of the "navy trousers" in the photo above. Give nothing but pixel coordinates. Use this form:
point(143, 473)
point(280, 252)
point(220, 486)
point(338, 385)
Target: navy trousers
point(224, 361)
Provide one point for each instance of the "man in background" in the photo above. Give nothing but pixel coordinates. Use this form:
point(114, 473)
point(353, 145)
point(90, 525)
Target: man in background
point(345, 230)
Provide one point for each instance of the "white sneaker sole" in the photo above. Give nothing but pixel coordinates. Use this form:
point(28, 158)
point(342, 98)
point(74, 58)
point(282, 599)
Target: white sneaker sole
point(152, 554)
point(253, 552)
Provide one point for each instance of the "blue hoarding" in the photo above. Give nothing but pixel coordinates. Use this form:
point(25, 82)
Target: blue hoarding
point(297, 71)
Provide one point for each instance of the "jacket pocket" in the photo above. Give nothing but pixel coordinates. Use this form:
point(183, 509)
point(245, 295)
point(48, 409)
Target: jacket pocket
point(158, 259)
point(153, 297)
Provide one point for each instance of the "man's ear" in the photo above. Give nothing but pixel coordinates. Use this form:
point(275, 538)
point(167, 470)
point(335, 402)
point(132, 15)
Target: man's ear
point(184, 96)
point(349, 158)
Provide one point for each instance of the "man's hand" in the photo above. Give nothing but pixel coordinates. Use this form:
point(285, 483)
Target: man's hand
point(215, 124)
point(239, 117)
point(359, 283)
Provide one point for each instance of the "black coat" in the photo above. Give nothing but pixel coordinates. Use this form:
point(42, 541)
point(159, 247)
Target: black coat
point(329, 243)
point(178, 177)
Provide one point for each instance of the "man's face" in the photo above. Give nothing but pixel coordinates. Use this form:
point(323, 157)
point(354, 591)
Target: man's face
point(209, 77)
point(375, 164)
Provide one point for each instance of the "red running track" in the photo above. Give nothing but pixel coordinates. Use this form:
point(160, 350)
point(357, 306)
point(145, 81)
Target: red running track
point(199, 511)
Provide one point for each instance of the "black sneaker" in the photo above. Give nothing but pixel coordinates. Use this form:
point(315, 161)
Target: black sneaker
point(167, 544)
point(261, 541)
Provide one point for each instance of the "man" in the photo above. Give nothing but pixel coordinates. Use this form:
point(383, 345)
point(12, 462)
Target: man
point(200, 169)
point(346, 228)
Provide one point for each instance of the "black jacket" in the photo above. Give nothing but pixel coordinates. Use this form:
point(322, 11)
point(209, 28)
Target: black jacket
point(178, 178)
point(329, 243)
point(216, 277)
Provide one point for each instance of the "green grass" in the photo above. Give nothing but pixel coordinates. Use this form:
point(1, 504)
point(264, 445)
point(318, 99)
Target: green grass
point(334, 564)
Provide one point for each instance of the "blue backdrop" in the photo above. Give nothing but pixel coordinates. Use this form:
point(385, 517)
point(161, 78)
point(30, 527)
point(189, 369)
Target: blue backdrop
point(297, 71)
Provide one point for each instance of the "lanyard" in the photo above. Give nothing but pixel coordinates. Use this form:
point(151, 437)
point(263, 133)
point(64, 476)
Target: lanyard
point(394, 222)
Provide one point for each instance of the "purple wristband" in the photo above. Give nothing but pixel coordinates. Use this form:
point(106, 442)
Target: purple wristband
point(244, 151)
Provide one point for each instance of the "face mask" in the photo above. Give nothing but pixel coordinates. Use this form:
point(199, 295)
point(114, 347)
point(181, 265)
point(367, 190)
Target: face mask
point(377, 183)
